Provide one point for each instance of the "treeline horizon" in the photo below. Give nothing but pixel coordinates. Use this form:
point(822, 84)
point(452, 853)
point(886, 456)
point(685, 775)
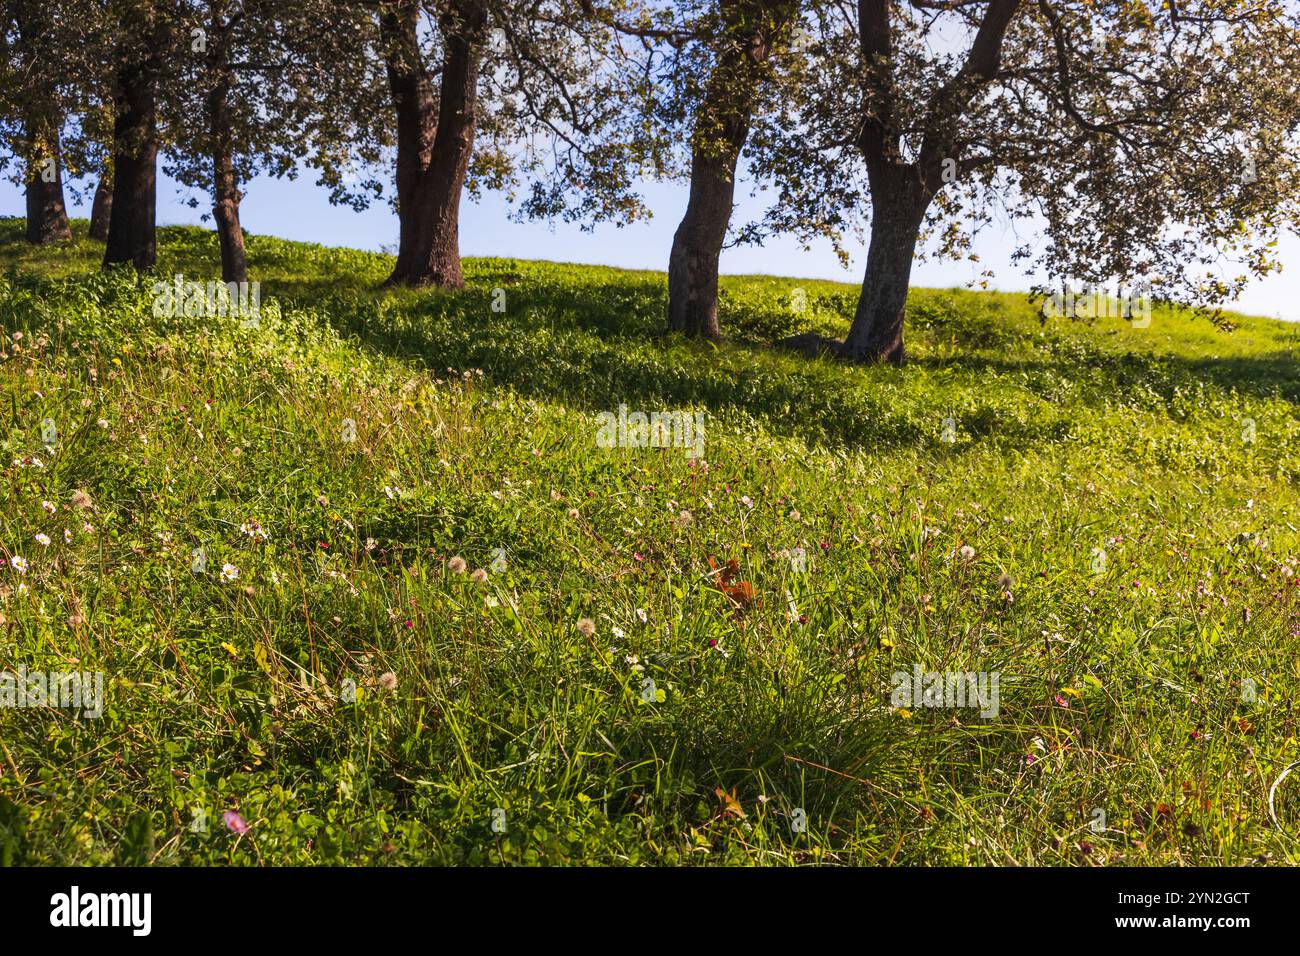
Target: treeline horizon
point(1156, 141)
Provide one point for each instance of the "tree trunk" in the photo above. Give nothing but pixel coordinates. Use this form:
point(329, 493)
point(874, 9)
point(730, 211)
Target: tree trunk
point(131, 228)
point(47, 217)
point(434, 144)
point(721, 128)
point(697, 244)
point(102, 209)
point(897, 209)
point(225, 181)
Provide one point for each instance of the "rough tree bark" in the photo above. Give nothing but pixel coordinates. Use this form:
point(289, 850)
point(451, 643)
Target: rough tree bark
point(434, 143)
point(697, 243)
point(898, 204)
point(102, 209)
point(47, 217)
point(721, 129)
point(131, 228)
point(225, 181)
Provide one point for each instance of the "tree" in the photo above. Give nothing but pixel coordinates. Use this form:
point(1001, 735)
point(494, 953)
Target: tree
point(143, 42)
point(32, 110)
point(96, 126)
point(516, 95)
point(435, 138)
point(737, 38)
point(710, 67)
point(241, 102)
point(1153, 143)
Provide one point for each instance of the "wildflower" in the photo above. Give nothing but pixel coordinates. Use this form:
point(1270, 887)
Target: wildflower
point(18, 563)
point(323, 500)
point(388, 680)
point(586, 627)
point(371, 544)
point(102, 424)
point(684, 519)
point(49, 506)
point(747, 501)
point(1062, 702)
point(456, 564)
point(254, 530)
point(43, 540)
point(619, 633)
point(229, 572)
point(966, 552)
point(573, 512)
point(234, 822)
point(67, 536)
point(795, 515)
point(641, 615)
point(81, 500)
point(479, 576)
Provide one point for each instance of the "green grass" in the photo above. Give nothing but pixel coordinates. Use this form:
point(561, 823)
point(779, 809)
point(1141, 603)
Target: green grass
point(1121, 689)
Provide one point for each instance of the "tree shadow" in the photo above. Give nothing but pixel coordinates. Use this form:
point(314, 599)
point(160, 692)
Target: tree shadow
point(595, 345)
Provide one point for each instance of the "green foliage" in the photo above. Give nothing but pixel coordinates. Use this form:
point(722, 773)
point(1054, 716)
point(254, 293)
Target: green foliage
point(1121, 688)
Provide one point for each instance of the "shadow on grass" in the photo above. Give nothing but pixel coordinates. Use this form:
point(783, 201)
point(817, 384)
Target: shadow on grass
point(592, 338)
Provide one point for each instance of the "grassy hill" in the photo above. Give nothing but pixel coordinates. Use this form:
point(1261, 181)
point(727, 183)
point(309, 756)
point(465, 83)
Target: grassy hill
point(1111, 529)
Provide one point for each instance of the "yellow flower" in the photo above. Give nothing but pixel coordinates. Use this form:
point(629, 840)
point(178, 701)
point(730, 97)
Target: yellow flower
point(230, 649)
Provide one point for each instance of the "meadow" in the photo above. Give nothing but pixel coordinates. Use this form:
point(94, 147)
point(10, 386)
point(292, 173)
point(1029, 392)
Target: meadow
point(365, 589)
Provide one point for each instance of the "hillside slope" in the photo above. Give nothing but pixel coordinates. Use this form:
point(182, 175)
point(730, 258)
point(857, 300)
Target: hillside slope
point(1099, 515)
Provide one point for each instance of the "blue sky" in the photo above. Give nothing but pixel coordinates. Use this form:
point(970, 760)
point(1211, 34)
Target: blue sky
point(300, 210)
